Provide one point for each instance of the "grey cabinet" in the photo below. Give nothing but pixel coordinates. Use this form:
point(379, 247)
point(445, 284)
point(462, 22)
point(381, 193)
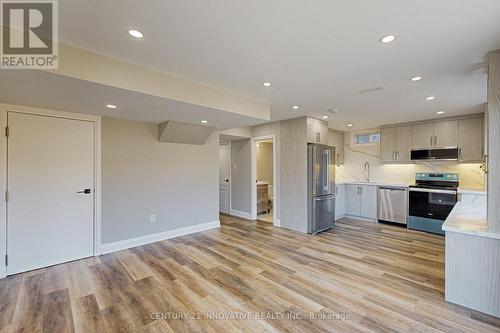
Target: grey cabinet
point(423, 135)
point(340, 200)
point(368, 202)
point(446, 133)
point(317, 131)
point(361, 200)
point(466, 132)
point(436, 134)
point(395, 143)
point(336, 139)
point(388, 144)
point(404, 143)
point(471, 139)
point(353, 200)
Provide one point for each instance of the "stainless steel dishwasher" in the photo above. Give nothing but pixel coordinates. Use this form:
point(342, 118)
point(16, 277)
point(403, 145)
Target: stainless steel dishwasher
point(393, 204)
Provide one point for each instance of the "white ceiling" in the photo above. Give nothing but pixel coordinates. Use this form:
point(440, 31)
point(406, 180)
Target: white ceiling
point(318, 54)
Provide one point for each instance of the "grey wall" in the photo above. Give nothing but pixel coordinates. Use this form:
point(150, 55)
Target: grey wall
point(141, 176)
point(241, 176)
point(265, 162)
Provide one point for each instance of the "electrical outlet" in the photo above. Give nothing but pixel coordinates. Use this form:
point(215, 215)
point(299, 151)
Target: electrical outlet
point(152, 218)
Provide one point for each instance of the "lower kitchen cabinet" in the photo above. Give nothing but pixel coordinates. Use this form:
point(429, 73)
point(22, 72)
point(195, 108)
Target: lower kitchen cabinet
point(361, 201)
point(340, 201)
point(368, 202)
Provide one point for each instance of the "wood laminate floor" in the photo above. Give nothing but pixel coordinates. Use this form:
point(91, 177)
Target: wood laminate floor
point(358, 277)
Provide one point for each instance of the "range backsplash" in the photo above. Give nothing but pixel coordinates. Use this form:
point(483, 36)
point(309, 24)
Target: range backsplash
point(471, 175)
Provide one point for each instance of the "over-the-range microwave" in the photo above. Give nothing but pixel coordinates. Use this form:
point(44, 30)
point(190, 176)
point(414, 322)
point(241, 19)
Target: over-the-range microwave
point(435, 154)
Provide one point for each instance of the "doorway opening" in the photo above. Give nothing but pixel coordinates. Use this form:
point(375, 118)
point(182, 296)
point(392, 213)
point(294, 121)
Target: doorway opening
point(225, 177)
point(264, 178)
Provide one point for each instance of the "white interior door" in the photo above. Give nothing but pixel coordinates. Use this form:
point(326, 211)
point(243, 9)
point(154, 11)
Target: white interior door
point(224, 177)
point(50, 160)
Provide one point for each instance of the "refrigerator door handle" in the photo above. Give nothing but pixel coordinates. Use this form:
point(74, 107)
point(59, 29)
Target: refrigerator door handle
point(324, 197)
point(326, 173)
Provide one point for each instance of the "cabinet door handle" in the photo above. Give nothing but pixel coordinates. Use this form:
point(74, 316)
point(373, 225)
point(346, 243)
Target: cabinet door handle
point(361, 190)
point(397, 155)
point(432, 139)
point(435, 140)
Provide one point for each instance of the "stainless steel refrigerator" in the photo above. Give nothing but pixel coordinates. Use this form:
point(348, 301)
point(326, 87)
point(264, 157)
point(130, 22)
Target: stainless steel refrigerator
point(320, 187)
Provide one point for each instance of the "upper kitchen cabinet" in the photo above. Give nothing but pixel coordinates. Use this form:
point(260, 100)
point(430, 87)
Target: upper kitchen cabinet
point(336, 139)
point(471, 139)
point(317, 131)
point(395, 143)
point(388, 144)
point(423, 135)
point(445, 133)
point(465, 132)
point(435, 134)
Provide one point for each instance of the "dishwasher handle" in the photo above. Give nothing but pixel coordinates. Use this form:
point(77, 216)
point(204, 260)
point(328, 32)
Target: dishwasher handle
point(392, 189)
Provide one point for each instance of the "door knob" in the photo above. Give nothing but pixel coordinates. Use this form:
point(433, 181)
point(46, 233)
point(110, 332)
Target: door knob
point(85, 191)
point(226, 180)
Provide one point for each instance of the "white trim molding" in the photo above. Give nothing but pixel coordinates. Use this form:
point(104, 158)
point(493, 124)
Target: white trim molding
point(253, 190)
point(241, 214)
point(148, 239)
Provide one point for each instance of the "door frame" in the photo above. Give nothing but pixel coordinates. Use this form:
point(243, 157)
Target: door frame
point(253, 179)
point(4, 110)
point(229, 184)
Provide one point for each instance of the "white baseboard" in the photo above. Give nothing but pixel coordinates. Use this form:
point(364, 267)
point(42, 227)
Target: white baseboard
point(143, 240)
point(239, 213)
point(277, 223)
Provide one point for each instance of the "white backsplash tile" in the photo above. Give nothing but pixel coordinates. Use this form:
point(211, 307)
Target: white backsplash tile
point(355, 157)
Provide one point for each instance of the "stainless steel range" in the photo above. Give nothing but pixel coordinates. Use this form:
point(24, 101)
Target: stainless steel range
point(431, 200)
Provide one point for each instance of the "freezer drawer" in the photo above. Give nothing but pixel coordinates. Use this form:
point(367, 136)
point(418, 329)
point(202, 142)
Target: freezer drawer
point(393, 204)
point(322, 215)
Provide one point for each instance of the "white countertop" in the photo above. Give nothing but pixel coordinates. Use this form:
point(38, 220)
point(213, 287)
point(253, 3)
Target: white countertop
point(472, 190)
point(464, 190)
point(469, 218)
point(360, 182)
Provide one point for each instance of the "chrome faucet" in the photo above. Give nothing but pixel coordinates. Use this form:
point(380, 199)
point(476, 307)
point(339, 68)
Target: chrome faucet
point(366, 171)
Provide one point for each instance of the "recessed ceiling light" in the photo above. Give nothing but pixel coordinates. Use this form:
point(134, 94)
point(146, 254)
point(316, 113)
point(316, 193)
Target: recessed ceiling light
point(135, 33)
point(267, 84)
point(430, 98)
point(440, 112)
point(349, 125)
point(416, 78)
point(387, 39)
point(111, 106)
point(204, 121)
point(325, 117)
point(295, 107)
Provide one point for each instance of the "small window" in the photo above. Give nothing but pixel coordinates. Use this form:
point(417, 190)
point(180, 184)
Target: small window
point(360, 139)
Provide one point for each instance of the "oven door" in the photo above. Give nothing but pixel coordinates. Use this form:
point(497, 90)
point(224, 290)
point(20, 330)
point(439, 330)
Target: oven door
point(431, 203)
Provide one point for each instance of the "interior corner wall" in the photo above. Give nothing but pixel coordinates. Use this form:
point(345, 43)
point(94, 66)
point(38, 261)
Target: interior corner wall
point(142, 176)
point(241, 176)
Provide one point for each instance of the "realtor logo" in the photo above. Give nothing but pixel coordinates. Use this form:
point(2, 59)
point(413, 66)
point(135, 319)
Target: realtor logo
point(29, 34)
